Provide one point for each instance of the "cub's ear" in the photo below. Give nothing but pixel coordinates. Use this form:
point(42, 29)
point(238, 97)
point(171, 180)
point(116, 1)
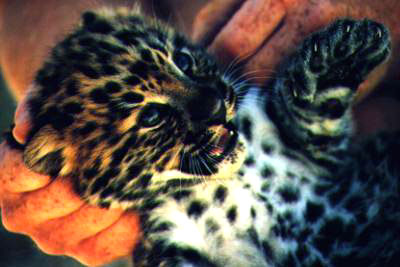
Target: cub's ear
point(44, 153)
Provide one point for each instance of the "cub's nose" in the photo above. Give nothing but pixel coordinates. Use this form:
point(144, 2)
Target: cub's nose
point(218, 114)
point(208, 108)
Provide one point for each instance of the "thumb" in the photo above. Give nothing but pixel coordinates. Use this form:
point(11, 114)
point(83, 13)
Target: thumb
point(22, 121)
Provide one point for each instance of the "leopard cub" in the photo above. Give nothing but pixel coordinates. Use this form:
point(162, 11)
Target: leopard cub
point(125, 105)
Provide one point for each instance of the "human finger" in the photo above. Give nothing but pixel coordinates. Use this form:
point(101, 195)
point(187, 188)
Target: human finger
point(22, 121)
point(22, 212)
point(248, 29)
point(211, 18)
point(58, 235)
point(14, 175)
point(113, 243)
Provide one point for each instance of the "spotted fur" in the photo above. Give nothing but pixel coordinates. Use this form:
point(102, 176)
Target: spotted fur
point(141, 118)
point(125, 101)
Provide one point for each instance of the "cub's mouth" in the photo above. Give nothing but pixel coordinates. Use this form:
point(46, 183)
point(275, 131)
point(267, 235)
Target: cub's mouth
point(212, 148)
point(225, 141)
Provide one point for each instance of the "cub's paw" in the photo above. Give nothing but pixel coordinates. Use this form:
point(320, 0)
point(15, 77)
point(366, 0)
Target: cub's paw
point(345, 52)
point(364, 40)
point(323, 75)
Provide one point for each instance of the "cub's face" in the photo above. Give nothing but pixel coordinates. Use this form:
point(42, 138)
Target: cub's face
point(126, 106)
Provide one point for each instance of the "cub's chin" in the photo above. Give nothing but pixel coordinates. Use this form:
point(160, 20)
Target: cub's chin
point(228, 156)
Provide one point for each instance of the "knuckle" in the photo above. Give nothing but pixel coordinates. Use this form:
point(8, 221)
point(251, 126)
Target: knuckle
point(14, 223)
point(85, 257)
point(10, 224)
point(47, 245)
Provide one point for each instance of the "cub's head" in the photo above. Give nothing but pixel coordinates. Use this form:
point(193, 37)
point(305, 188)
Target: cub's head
point(127, 107)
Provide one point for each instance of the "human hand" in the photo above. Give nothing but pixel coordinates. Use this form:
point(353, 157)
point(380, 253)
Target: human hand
point(54, 216)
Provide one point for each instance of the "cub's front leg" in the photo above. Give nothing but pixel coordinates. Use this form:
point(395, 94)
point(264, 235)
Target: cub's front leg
point(311, 97)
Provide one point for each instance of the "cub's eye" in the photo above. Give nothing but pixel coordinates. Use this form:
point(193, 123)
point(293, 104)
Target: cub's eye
point(183, 60)
point(151, 115)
